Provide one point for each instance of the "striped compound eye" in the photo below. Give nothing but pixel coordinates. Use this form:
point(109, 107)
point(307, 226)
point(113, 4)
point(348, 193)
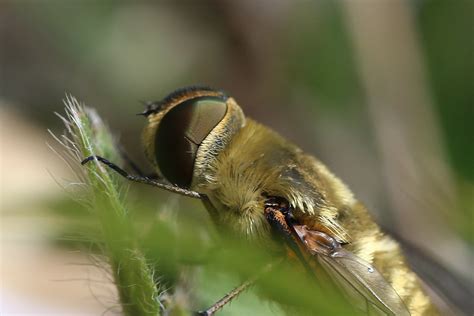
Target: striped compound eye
point(181, 132)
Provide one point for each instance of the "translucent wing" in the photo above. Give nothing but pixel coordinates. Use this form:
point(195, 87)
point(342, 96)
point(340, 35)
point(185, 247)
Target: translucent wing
point(359, 281)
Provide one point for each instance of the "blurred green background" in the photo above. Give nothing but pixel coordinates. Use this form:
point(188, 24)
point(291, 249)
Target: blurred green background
point(380, 91)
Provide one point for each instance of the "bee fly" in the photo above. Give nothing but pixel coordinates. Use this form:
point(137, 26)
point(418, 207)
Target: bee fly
point(258, 185)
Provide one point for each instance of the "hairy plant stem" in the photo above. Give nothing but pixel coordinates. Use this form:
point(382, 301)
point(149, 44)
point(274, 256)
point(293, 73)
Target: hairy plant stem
point(87, 135)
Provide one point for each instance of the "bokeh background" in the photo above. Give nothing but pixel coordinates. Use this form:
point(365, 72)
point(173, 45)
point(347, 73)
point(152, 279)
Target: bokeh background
point(381, 91)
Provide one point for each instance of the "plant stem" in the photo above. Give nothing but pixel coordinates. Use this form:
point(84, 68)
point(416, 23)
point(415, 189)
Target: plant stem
point(87, 135)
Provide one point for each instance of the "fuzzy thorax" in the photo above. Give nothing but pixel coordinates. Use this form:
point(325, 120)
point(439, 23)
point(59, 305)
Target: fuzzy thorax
point(258, 161)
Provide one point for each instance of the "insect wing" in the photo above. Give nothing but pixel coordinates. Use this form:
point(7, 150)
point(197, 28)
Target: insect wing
point(357, 278)
point(359, 281)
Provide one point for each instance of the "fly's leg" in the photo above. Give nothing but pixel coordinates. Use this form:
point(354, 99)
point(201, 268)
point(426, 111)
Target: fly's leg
point(226, 299)
point(235, 292)
point(144, 180)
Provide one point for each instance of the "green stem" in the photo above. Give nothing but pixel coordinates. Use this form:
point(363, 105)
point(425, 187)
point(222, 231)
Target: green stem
point(87, 135)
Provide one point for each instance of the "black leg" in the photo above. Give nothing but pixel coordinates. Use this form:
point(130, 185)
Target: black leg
point(142, 179)
point(226, 299)
point(234, 293)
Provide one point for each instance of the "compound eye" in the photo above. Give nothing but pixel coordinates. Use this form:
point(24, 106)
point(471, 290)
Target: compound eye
point(181, 132)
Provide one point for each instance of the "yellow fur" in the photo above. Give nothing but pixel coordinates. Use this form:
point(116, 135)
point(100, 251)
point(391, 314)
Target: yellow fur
point(257, 160)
